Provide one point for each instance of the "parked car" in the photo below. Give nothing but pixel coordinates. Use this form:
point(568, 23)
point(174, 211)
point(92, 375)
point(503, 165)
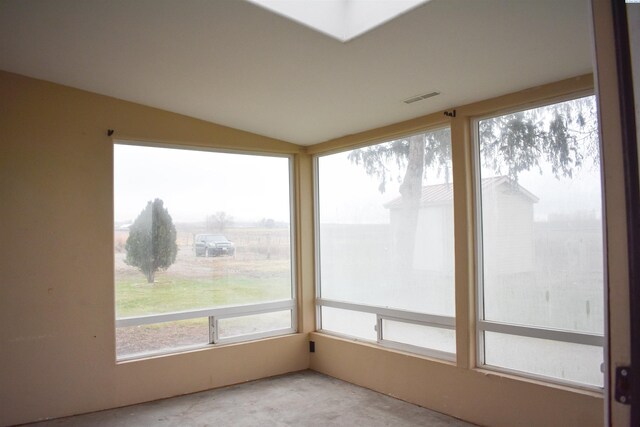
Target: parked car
point(213, 245)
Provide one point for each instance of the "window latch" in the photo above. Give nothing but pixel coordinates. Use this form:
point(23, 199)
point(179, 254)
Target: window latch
point(623, 385)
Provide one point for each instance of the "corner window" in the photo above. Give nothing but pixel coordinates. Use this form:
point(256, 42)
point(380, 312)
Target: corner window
point(541, 281)
point(385, 244)
point(203, 251)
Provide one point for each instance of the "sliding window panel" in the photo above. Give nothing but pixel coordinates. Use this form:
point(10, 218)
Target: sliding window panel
point(142, 340)
point(564, 361)
point(354, 324)
point(441, 339)
point(234, 327)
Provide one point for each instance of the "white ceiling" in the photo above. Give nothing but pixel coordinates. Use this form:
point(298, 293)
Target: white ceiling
point(237, 64)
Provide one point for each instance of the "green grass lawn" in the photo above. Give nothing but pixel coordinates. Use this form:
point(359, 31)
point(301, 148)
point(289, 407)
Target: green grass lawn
point(135, 297)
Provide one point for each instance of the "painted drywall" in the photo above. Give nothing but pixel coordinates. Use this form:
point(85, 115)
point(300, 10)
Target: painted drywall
point(476, 396)
point(57, 350)
point(57, 344)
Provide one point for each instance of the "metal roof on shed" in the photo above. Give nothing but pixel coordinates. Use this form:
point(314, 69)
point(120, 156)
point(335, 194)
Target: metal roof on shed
point(440, 193)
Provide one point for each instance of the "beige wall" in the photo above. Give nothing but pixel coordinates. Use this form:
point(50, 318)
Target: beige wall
point(477, 396)
point(57, 345)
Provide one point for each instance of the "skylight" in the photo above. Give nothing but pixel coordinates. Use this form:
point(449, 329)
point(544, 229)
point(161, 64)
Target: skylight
point(341, 19)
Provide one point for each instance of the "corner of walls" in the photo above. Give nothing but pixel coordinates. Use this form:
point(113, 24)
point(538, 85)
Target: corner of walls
point(475, 396)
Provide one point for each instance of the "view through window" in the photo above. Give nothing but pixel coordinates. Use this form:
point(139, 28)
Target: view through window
point(202, 248)
point(385, 237)
point(541, 305)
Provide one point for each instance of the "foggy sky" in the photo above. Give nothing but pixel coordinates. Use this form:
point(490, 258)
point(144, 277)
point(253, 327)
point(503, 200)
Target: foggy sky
point(194, 184)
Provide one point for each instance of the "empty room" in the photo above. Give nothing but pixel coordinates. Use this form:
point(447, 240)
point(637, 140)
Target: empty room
point(319, 212)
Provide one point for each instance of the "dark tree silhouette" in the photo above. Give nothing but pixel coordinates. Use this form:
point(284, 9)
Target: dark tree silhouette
point(151, 245)
point(415, 154)
point(219, 221)
point(560, 135)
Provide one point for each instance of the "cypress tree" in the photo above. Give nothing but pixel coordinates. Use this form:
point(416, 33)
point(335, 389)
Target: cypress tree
point(151, 245)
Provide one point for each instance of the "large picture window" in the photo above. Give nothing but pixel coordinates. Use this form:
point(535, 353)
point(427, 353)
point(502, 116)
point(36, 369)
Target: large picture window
point(385, 244)
point(203, 251)
point(541, 309)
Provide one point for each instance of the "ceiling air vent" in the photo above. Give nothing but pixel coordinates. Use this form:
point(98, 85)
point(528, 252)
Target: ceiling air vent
point(420, 97)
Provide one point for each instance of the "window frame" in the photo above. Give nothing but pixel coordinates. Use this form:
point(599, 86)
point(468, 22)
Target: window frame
point(224, 312)
point(539, 332)
point(381, 313)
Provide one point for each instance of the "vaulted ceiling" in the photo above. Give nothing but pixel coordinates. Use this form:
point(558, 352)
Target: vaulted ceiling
point(237, 64)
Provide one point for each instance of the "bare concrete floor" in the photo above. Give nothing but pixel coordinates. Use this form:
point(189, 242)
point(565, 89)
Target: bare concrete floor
point(304, 398)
